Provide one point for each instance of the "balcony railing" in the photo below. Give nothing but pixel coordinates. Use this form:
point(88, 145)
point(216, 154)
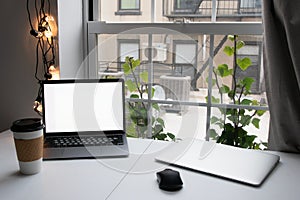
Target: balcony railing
point(203, 8)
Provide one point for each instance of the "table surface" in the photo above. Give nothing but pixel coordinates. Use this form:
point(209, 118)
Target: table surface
point(134, 177)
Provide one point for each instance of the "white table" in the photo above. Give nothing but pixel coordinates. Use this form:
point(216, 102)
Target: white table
point(133, 178)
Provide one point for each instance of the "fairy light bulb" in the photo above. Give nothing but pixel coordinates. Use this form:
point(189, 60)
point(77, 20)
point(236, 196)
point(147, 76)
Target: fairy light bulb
point(52, 68)
point(37, 107)
point(49, 18)
point(54, 72)
point(48, 34)
point(36, 34)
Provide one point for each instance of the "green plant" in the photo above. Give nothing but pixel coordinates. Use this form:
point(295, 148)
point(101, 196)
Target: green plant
point(234, 120)
point(138, 110)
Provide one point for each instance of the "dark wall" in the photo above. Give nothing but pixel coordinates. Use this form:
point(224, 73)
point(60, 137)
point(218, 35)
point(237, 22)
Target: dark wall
point(18, 86)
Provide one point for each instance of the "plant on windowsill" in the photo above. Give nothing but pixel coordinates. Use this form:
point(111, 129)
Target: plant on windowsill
point(234, 120)
point(138, 111)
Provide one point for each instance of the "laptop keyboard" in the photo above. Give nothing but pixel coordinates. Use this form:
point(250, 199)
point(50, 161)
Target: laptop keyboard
point(76, 141)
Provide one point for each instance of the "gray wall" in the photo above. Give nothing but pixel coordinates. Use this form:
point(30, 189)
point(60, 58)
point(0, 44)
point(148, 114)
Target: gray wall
point(18, 86)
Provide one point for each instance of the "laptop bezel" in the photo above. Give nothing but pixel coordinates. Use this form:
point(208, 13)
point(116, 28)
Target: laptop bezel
point(70, 81)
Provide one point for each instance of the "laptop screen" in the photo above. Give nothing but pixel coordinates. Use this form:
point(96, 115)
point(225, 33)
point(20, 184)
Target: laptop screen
point(83, 105)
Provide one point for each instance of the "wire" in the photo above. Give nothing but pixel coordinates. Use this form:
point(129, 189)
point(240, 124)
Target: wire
point(28, 14)
point(45, 48)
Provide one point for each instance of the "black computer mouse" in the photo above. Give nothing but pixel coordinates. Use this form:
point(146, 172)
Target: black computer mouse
point(169, 180)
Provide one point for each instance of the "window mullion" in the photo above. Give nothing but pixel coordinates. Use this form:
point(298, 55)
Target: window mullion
point(209, 89)
point(150, 84)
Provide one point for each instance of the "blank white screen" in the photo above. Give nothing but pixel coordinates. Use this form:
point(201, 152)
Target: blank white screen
point(77, 107)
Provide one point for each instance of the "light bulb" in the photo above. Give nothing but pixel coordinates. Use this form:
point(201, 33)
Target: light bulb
point(37, 107)
point(48, 34)
point(35, 33)
point(54, 72)
point(52, 68)
point(49, 18)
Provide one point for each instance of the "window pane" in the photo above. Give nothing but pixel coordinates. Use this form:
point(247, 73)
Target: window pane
point(129, 4)
point(181, 10)
point(237, 84)
point(177, 66)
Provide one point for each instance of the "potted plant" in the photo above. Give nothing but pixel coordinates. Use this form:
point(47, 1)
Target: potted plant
point(233, 121)
point(137, 86)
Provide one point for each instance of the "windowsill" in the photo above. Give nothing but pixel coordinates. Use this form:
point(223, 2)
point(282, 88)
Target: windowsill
point(128, 12)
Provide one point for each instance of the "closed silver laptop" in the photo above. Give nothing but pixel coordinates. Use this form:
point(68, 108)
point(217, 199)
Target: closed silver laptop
point(84, 118)
point(243, 165)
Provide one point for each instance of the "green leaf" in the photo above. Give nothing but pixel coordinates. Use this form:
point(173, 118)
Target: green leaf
point(244, 63)
point(214, 119)
point(126, 68)
point(227, 136)
point(224, 89)
point(255, 103)
point(231, 94)
point(130, 130)
point(135, 96)
point(223, 70)
point(144, 76)
point(131, 86)
point(127, 59)
point(255, 122)
point(161, 121)
point(242, 111)
point(215, 100)
point(245, 120)
point(233, 118)
point(230, 37)
point(136, 63)
point(246, 102)
point(171, 136)
point(248, 141)
point(241, 132)
point(228, 50)
point(213, 134)
point(230, 111)
point(155, 106)
point(240, 44)
point(160, 136)
point(247, 83)
point(260, 112)
point(158, 128)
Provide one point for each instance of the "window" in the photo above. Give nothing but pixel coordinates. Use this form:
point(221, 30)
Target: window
point(180, 54)
point(129, 4)
point(129, 7)
point(128, 47)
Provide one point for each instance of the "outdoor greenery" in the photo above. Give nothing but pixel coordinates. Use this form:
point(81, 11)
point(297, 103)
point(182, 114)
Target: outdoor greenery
point(138, 110)
point(233, 121)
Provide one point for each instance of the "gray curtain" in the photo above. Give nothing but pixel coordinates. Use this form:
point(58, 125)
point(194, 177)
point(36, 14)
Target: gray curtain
point(281, 19)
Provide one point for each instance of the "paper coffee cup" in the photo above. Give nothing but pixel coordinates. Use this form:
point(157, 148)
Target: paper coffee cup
point(28, 137)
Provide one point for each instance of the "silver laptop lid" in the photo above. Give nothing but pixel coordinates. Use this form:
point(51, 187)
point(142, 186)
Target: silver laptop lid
point(87, 105)
point(242, 165)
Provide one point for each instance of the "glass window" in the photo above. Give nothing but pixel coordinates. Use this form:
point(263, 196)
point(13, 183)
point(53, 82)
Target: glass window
point(129, 4)
point(197, 84)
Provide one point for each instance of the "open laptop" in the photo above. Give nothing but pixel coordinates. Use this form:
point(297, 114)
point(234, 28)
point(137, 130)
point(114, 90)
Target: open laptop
point(242, 165)
point(84, 118)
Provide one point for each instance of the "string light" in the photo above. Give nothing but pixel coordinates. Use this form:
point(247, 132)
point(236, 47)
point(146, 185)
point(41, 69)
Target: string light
point(45, 47)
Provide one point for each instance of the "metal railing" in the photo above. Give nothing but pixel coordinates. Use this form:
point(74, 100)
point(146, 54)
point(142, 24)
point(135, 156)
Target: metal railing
point(203, 8)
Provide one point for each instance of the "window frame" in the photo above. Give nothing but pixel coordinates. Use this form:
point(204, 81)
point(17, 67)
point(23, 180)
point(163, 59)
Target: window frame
point(126, 41)
point(206, 28)
point(129, 11)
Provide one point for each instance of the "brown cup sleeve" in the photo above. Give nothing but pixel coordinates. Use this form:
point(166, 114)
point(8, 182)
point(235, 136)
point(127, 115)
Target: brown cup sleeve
point(29, 150)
